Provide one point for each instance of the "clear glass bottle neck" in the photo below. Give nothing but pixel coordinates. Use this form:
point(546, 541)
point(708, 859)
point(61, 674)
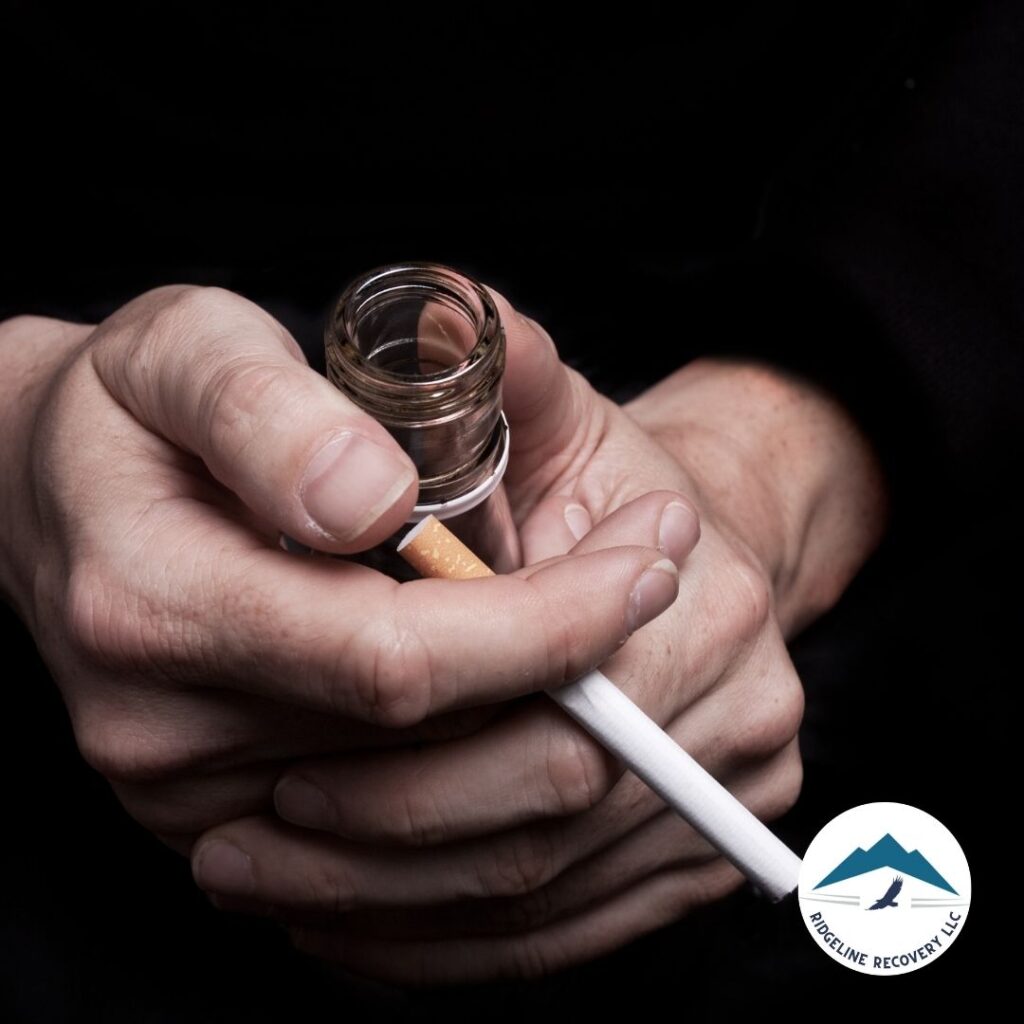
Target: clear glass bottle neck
point(420, 347)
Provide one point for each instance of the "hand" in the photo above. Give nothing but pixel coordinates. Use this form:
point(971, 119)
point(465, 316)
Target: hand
point(150, 464)
point(521, 849)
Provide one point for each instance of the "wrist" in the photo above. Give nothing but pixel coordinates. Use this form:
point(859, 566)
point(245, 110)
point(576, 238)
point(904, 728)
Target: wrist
point(779, 465)
point(32, 350)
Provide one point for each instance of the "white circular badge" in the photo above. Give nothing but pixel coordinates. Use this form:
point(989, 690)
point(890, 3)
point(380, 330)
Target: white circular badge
point(884, 889)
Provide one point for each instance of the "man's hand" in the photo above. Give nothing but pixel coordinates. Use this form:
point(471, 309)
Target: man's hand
point(522, 848)
point(150, 464)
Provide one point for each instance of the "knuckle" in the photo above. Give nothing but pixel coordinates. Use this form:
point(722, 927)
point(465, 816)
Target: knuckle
point(784, 788)
point(576, 772)
point(561, 632)
point(98, 621)
point(125, 749)
point(129, 343)
point(112, 624)
point(749, 599)
point(772, 719)
point(27, 325)
point(789, 697)
point(197, 306)
point(391, 671)
point(518, 866)
point(165, 315)
point(194, 305)
point(241, 392)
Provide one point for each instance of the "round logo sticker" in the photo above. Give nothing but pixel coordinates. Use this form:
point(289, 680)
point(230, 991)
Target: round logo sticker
point(884, 889)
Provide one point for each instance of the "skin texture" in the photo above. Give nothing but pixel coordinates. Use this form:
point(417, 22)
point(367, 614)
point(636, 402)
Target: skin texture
point(434, 818)
point(195, 657)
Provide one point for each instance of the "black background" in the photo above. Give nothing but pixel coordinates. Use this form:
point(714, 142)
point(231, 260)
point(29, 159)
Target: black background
point(828, 187)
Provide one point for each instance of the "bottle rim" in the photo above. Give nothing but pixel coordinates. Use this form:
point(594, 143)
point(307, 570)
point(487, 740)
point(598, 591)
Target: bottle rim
point(374, 287)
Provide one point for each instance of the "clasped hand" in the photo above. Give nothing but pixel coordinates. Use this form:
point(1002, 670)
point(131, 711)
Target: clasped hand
point(375, 764)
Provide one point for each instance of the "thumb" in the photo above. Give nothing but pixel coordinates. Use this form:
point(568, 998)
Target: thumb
point(548, 404)
point(216, 375)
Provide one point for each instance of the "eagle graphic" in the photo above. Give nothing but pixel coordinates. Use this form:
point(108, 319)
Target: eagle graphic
point(889, 899)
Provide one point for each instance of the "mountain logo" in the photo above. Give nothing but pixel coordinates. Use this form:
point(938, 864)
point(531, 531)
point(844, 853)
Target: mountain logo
point(886, 853)
point(897, 861)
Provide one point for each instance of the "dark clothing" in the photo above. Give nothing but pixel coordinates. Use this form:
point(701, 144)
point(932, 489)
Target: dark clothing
point(837, 192)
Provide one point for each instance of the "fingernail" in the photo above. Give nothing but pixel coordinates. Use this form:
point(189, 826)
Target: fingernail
point(350, 483)
point(577, 518)
point(222, 867)
point(678, 531)
point(653, 593)
point(302, 803)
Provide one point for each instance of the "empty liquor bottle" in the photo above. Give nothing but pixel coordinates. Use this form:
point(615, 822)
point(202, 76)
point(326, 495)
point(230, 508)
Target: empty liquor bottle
point(420, 347)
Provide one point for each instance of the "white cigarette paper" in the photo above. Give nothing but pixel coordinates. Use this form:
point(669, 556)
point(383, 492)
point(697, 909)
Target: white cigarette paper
point(613, 719)
point(637, 740)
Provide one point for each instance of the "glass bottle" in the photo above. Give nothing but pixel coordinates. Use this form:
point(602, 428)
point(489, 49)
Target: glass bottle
point(420, 347)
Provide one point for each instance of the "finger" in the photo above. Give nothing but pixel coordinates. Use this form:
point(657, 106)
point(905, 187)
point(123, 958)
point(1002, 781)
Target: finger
point(545, 401)
point(342, 638)
point(187, 807)
point(720, 622)
point(279, 860)
point(219, 377)
point(338, 637)
point(266, 860)
point(663, 519)
point(661, 842)
point(180, 788)
point(533, 764)
point(553, 528)
point(658, 901)
point(179, 735)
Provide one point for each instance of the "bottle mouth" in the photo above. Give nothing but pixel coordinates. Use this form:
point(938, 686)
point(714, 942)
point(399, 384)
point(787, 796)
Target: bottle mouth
point(415, 344)
point(420, 347)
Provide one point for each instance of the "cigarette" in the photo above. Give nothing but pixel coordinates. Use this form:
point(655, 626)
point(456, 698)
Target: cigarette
point(637, 740)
